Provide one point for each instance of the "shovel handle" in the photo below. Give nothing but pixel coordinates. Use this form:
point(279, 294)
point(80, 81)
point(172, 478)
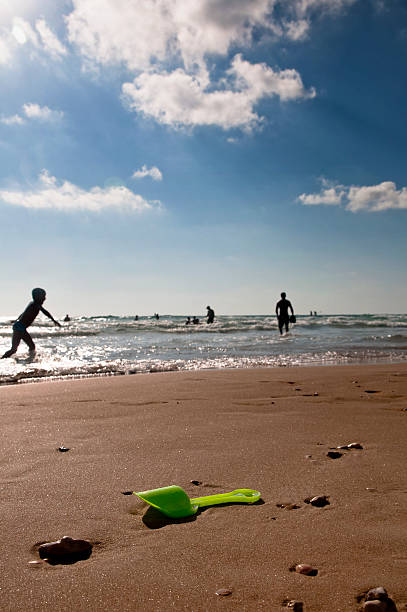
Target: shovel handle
point(242, 496)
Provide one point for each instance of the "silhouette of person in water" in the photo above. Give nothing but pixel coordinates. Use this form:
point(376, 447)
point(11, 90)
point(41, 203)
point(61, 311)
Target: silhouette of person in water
point(195, 321)
point(25, 320)
point(188, 321)
point(67, 318)
point(156, 315)
point(282, 307)
point(210, 315)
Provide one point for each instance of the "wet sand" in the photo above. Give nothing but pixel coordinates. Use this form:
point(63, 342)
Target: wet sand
point(266, 429)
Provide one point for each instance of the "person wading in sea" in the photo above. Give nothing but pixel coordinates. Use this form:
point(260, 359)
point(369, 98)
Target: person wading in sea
point(282, 307)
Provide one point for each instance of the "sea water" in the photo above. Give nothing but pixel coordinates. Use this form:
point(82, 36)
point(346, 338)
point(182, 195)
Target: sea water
point(112, 345)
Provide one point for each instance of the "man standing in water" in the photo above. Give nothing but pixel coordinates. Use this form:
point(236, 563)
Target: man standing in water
point(210, 315)
point(283, 318)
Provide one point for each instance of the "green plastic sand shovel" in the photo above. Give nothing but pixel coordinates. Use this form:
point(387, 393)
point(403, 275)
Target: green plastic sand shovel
point(174, 502)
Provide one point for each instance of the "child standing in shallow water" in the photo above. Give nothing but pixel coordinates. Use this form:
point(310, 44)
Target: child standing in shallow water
point(25, 320)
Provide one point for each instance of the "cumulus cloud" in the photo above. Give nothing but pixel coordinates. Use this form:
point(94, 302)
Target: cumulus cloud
point(42, 113)
point(36, 112)
point(12, 120)
point(142, 33)
point(372, 198)
point(180, 99)
point(51, 194)
point(153, 172)
point(327, 196)
point(172, 46)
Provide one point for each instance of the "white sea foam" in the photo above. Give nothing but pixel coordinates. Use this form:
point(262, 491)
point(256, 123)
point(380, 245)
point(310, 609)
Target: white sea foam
point(101, 345)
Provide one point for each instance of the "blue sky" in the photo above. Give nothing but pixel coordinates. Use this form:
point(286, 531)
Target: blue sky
point(159, 156)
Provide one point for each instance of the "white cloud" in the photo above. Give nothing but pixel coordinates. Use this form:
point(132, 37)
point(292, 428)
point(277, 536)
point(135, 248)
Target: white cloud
point(12, 120)
point(180, 99)
point(154, 172)
point(65, 196)
point(50, 41)
point(377, 197)
point(142, 33)
point(36, 112)
point(326, 196)
point(42, 113)
point(373, 198)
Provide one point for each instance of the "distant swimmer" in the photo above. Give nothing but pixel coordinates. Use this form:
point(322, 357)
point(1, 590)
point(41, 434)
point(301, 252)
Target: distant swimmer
point(26, 319)
point(195, 321)
point(188, 321)
point(136, 318)
point(283, 318)
point(210, 315)
point(67, 318)
point(156, 315)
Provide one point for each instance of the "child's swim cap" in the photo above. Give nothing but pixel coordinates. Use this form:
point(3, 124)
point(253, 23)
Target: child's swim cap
point(38, 294)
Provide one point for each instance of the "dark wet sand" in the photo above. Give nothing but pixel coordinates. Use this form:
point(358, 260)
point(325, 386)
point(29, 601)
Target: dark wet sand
point(267, 429)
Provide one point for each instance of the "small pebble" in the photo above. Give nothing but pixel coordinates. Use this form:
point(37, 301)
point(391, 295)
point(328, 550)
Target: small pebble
point(371, 391)
point(334, 454)
point(65, 547)
point(355, 445)
point(196, 482)
point(296, 606)
point(35, 563)
point(377, 593)
point(127, 492)
point(305, 569)
point(224, 592)
point(371, 489)
point(63, 449)
point(316, 393)
point(319, 501)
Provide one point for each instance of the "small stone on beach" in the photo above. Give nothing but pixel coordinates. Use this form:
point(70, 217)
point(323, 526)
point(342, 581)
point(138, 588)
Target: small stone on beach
point(196, 482)
point(296, 606)
point(377, 600)
point(355, 445)
point(305, 569)
point(63, 449)
point(377, 593)
point(319, 501)
point(65, 549)
point(334, 454)
point(224, 592)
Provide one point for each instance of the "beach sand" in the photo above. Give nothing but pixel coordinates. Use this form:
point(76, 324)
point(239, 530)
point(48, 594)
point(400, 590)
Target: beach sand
point(265, 429)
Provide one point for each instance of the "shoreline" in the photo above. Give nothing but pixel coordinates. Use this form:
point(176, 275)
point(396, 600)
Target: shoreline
point(69, 377)
point(268, 429)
